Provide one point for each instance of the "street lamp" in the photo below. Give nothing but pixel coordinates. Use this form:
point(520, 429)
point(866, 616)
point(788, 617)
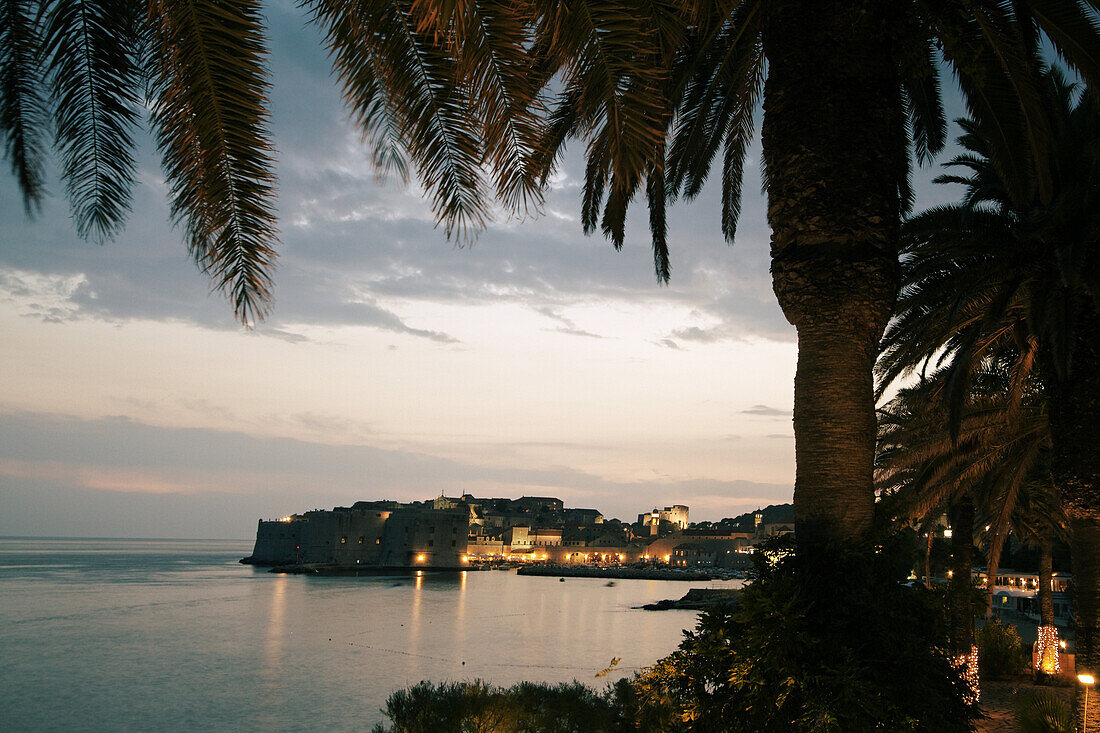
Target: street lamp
point(1088, 681)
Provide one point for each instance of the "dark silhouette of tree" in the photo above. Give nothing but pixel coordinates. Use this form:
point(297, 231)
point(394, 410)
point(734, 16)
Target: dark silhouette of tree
point(1014, 270)
point(995, 468)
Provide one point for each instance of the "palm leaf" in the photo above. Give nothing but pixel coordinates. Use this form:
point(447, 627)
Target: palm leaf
point(23, 115)
point(210, 119)
point(402, 82)
point(93, 78)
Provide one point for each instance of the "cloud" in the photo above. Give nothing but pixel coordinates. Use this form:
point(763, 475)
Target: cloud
point(766, 411)
point(567, 326)
point(700, 335)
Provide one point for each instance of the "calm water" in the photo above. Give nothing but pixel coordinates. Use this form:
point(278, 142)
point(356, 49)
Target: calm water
point(176, 635)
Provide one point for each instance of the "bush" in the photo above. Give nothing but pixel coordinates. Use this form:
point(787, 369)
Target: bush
point(476, 707)
point(829, 643)
point(1043, 712)
point(1000, 652)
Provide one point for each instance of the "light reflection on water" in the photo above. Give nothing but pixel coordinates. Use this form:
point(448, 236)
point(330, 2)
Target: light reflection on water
point(176, 635)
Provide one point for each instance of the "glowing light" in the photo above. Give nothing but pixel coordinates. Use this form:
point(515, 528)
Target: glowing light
point(968, 666)
point(1046, 651)
point(420, 558)
point(667, 557)
point(950, 573)
point(465, 558)
point(947, 533)
point(284, 519)
point(1086, 679)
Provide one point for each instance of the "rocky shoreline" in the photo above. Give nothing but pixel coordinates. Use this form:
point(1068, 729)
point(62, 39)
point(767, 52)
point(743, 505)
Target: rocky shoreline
point(697, 599)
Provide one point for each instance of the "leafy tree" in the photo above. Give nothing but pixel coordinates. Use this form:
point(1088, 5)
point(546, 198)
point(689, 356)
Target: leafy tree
point(790, 656)
point(1010, 270)
point(998, 461)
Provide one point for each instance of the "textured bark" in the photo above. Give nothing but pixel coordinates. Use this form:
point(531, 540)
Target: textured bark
point(1075, 425)
point(961, 586)
point(1046, 575)
point(833, 148)
point(992, 567)
point(1046, 649)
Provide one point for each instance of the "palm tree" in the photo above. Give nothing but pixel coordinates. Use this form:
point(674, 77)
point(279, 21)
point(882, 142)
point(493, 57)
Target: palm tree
point(1037, 521)
point(1011, 269)
point(997, 463)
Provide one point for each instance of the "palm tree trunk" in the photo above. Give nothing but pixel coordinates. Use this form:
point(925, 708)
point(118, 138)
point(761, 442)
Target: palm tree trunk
point(961, 586)
point(1046, 574)
point(833, 150)
point(1046, 645)
point(1075, 465)
point(992, 567)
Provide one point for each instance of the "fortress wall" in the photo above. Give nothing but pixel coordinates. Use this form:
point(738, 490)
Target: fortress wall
point(425, 537)
point(276, 542)
point(360, 539)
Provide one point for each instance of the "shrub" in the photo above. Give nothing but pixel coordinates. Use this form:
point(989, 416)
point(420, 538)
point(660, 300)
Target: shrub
point(1043, 712)
point(828, 643)
point(1000, 652)
point(476, 707)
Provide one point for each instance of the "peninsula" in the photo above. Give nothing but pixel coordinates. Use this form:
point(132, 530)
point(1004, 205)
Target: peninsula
point(464, 532)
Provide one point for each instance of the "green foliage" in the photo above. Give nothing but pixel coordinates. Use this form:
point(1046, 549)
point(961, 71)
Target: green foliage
point(829, 643)
point(476, 707)
point(1043, 712)
point(1000, 652)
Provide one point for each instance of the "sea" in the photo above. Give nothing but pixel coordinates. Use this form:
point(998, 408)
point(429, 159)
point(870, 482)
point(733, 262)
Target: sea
point(176, 635)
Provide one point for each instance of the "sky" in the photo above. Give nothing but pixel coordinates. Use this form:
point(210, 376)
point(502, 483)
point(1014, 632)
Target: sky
point(395, 364)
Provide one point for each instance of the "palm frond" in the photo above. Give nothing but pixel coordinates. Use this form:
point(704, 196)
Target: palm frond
point(399, 77)
point(489, 40)
point(94, 77)
point(23, 114)
point(614, 71)
point(1074, 32)
point(210, 120)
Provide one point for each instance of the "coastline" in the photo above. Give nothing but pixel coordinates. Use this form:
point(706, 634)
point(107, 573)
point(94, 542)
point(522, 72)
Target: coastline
point(616, 573)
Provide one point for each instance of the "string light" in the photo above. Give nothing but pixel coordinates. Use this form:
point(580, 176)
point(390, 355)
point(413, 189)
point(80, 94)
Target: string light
point(1046, 651)
point(967, 665)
